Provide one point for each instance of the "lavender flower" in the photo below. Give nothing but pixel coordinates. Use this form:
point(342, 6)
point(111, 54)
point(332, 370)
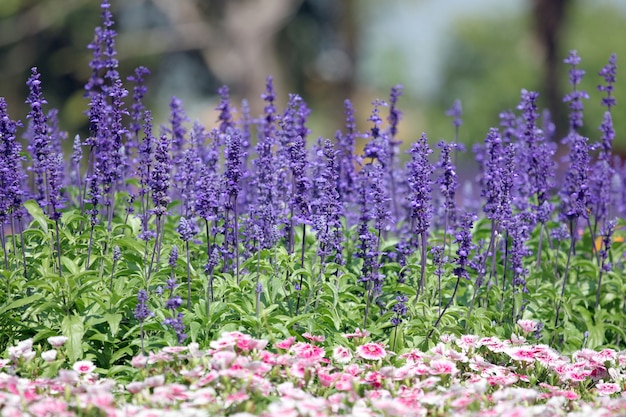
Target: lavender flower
point(137, 109)
point(160, 177)
point(187, 229)
point(225, 118)
point(55, 201)
point(117, 254)
point(327, 208)
point(146, 156)
point(173, 303)
point(394, 113)
point(378, 146)
point(498, 178)
point(575, 97)
point(233, 155)
point(177, 130)
point(420, 184)
point(208, 188)
point(609, 73)
point(142, 312)
point(12, 175)
point(267, 128)
point(40, 146)
point(400, 309)
point(463, 239)
point(173, 256)
point(575, 190)
point(448, 182)
point(519, 229)
point(178, 325)
point(346, 158)
point(456, 111)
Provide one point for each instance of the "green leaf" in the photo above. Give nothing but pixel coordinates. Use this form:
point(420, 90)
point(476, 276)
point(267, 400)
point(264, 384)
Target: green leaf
point(37, 213)
point(72, 328)
point(20, 303)
point(114, 320)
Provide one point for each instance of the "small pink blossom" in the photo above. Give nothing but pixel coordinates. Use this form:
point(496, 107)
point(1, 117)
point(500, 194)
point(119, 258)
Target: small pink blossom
point(371, 351)
point(523, 353)
point(358, 333)
point(84, 367)
point(607, 388)
point(342, 354)
point(313, 338)
point(307, 351)
point(527, 326)
point(286, 344)
point(442, 366)
point(139, 361)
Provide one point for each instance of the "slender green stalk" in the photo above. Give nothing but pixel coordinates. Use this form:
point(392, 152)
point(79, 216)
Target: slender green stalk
point(56, 224)
point(188, 276)
point(573, 224)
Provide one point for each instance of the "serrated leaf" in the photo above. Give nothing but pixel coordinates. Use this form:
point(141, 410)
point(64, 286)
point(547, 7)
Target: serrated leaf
point(72, 328)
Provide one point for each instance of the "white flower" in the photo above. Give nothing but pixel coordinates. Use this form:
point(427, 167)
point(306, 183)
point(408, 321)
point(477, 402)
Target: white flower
point(57, 341)
point(49, 355)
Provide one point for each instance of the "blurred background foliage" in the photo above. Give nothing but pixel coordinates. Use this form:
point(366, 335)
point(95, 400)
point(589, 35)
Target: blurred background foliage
point(480, 51)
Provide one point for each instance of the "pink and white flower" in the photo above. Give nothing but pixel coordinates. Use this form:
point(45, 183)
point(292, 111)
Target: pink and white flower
point(84, 367)
point(527, 326)
point(342, 354)
point(607, 388)
point(371, 351)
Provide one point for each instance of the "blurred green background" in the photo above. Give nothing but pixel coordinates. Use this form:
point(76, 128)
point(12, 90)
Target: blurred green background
point(480, 51)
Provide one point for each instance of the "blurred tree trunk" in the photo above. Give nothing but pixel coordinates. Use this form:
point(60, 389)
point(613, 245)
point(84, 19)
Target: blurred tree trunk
point(549, 17)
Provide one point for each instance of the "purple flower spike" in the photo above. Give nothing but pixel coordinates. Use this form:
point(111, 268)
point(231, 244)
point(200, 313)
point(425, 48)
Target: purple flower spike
point(142, 312)
point(187, 229)
point(609, 75)
point(420, 184)
point(456, 111)
point(575, 97)
point(12, 176)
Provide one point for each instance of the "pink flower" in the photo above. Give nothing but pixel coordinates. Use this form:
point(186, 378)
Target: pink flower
point(139, 361)
point(414, 356)
point(286, 344)
point(48, 407)
point(467, 341)
point(313, 338)
point(307, 351)
point(84, 367)
point(527, 326)
point(607, 388)
point(371, 351)
point(358, 333)
point(135, 387)
point(344, 383)
point(342, 354)
point(578, 375)
point(523, 353)
point(237, 397)
point(442, 366)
